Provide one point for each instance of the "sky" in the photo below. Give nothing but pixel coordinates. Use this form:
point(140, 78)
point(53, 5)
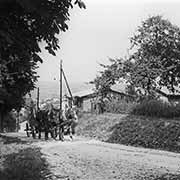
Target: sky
point(99, 32)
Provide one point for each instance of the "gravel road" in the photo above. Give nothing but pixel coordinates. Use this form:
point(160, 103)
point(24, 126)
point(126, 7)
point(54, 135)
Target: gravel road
point(85, 159)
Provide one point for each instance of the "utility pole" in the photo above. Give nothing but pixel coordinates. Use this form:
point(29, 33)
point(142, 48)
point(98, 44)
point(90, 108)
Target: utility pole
point(61, 129)
point(60, 90)
point(67, 85)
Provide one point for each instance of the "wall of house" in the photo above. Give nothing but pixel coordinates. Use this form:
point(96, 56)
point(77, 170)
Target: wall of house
point(87, 105)
point(116, 96)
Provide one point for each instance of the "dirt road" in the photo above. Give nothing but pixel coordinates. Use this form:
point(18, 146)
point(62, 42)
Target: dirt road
point(94, 160)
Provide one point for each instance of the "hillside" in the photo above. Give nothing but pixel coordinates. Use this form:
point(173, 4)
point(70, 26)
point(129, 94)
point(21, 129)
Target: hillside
point(97, 126)
point(132, 130)
point(50, 89)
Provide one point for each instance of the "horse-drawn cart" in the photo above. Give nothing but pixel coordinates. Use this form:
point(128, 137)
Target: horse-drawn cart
point(51, 120)
point(41, 123)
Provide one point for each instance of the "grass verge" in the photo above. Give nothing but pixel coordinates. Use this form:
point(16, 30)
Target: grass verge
point(20, 161)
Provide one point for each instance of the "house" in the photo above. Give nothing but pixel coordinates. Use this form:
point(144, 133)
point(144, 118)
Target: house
point(87, 100)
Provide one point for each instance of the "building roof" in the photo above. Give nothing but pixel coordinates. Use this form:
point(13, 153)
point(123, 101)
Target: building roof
point(84, 93)
point(117, 88)
point(90, 92)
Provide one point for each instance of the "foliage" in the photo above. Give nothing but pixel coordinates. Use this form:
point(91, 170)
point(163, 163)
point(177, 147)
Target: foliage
point(108, 76)
point(131, 90)
point(156, 108)
point(25, 24)
point(155, 60)
point(22, 161)
point(149, 133)
point(153, 63)
point(119, 106)
point(9, 122)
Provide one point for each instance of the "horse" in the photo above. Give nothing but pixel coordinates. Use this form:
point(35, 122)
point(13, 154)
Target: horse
point(31, 122)
point(50, 121)
point(69, 123)
point(38, 121)
point(47, 123)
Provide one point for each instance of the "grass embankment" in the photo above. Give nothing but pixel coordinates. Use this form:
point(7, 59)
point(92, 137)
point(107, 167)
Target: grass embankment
point(156, 133)
point(97, 126)
point(21, 161)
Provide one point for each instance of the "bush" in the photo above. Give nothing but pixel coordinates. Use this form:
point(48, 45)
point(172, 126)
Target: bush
point(9, 123)
point(27, 164)
point(118, 106)
point(156, 108)
point(147, 132)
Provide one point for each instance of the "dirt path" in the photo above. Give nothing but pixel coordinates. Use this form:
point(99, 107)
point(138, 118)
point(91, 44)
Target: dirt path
point(94, 160)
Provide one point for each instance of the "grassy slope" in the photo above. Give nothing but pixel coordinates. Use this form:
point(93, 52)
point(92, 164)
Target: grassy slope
point(97, 126)
point(132, 130)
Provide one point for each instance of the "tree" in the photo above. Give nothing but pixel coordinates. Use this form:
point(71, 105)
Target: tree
point(109, 76)
point(24, 24)
point(156, 55)
point(154, 62)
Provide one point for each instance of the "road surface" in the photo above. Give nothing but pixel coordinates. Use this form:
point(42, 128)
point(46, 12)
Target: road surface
point(85, 159)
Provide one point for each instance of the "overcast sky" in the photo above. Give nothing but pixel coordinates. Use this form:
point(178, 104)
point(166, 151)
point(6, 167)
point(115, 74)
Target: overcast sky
point(101, 31)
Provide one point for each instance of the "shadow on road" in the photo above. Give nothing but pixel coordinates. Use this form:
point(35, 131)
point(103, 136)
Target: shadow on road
point(26, 164)
point(10, 140)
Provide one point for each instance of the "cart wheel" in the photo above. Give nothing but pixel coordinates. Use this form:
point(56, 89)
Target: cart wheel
point(39, 135)
point(61, 134)
point(52, 133)
point(46, 135)
point(55, 133)
point(27, 133)
point(27, 130)
point(33, 134)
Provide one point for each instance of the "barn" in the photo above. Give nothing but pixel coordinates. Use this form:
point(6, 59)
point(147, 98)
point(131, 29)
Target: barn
point(87, 99)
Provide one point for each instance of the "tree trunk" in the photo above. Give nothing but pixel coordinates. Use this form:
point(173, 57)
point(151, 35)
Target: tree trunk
point(17, 122)
point(1, 119)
